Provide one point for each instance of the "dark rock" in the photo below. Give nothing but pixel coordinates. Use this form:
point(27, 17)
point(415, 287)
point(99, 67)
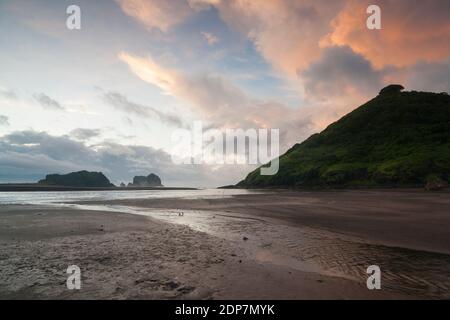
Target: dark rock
point(392, 89)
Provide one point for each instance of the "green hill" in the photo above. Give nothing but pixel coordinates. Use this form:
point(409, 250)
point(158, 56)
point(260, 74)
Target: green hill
point(396, 139)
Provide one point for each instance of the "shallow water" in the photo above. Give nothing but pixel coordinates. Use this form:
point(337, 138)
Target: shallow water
point(75, 196)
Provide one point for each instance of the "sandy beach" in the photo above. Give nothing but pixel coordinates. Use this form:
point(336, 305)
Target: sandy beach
point(262, 245)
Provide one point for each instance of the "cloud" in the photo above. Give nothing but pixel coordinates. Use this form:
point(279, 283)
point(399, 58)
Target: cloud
point(410, 32)
point(202, 4)
point(47, 102)
point(218, 101)
point(286, 32)
point(209, 95)
point(300, 38)
point(84, 134)
point(210, 38)
point(4, 121)
point(29, 155)
point(8, 94)
point(340, 71)
point(425, 76)
point(290, 34)
point(121, 103)
point(159, 14)
point(162, 14)
point(337, 82)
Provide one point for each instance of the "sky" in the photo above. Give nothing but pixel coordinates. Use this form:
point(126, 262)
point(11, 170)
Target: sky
point(109, 96)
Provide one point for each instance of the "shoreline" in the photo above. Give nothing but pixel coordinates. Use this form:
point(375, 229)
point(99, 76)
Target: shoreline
point(46, 188)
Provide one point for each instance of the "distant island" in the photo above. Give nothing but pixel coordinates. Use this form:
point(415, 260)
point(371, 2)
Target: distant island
point(78, 179)
point(396, 139)
point(152, 180)
point(86, 180)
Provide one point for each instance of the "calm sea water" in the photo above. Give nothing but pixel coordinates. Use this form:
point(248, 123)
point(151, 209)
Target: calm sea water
point(73, 196)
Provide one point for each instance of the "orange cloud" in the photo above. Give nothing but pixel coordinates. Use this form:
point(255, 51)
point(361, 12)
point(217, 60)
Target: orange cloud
point(285, 32)
point(410, 31)
point(291, 34)
point(159, 14)
point(163, 14)
point(324, 45)
point(220, 102)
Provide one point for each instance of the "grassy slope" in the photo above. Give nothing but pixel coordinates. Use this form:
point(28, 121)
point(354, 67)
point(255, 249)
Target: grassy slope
point(394, 139)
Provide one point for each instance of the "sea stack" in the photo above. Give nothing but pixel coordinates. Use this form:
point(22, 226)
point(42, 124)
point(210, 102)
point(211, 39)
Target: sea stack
point(152, 180)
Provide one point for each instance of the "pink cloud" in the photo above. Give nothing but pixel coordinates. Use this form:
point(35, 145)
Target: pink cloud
point(220, 103)
point(410, 31)
point(159, 14)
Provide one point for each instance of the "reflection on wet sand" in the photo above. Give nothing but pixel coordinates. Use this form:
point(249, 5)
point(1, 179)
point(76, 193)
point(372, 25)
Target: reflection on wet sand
point(413, 272)
point(262, 244)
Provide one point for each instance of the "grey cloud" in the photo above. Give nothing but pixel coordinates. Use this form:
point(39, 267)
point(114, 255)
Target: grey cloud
point(85, 134)
point(4, 121)
point(338, 68)
point(121, 103)
point(9, 94)
point(31, 155)
point(47, 102)
point(429, 77)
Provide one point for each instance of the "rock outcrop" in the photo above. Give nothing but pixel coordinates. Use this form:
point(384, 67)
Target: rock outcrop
point(152, 180)
point(78, 179)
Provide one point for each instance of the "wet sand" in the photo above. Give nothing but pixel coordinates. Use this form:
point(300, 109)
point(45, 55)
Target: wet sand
point(299, 245)
point(412, 219)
